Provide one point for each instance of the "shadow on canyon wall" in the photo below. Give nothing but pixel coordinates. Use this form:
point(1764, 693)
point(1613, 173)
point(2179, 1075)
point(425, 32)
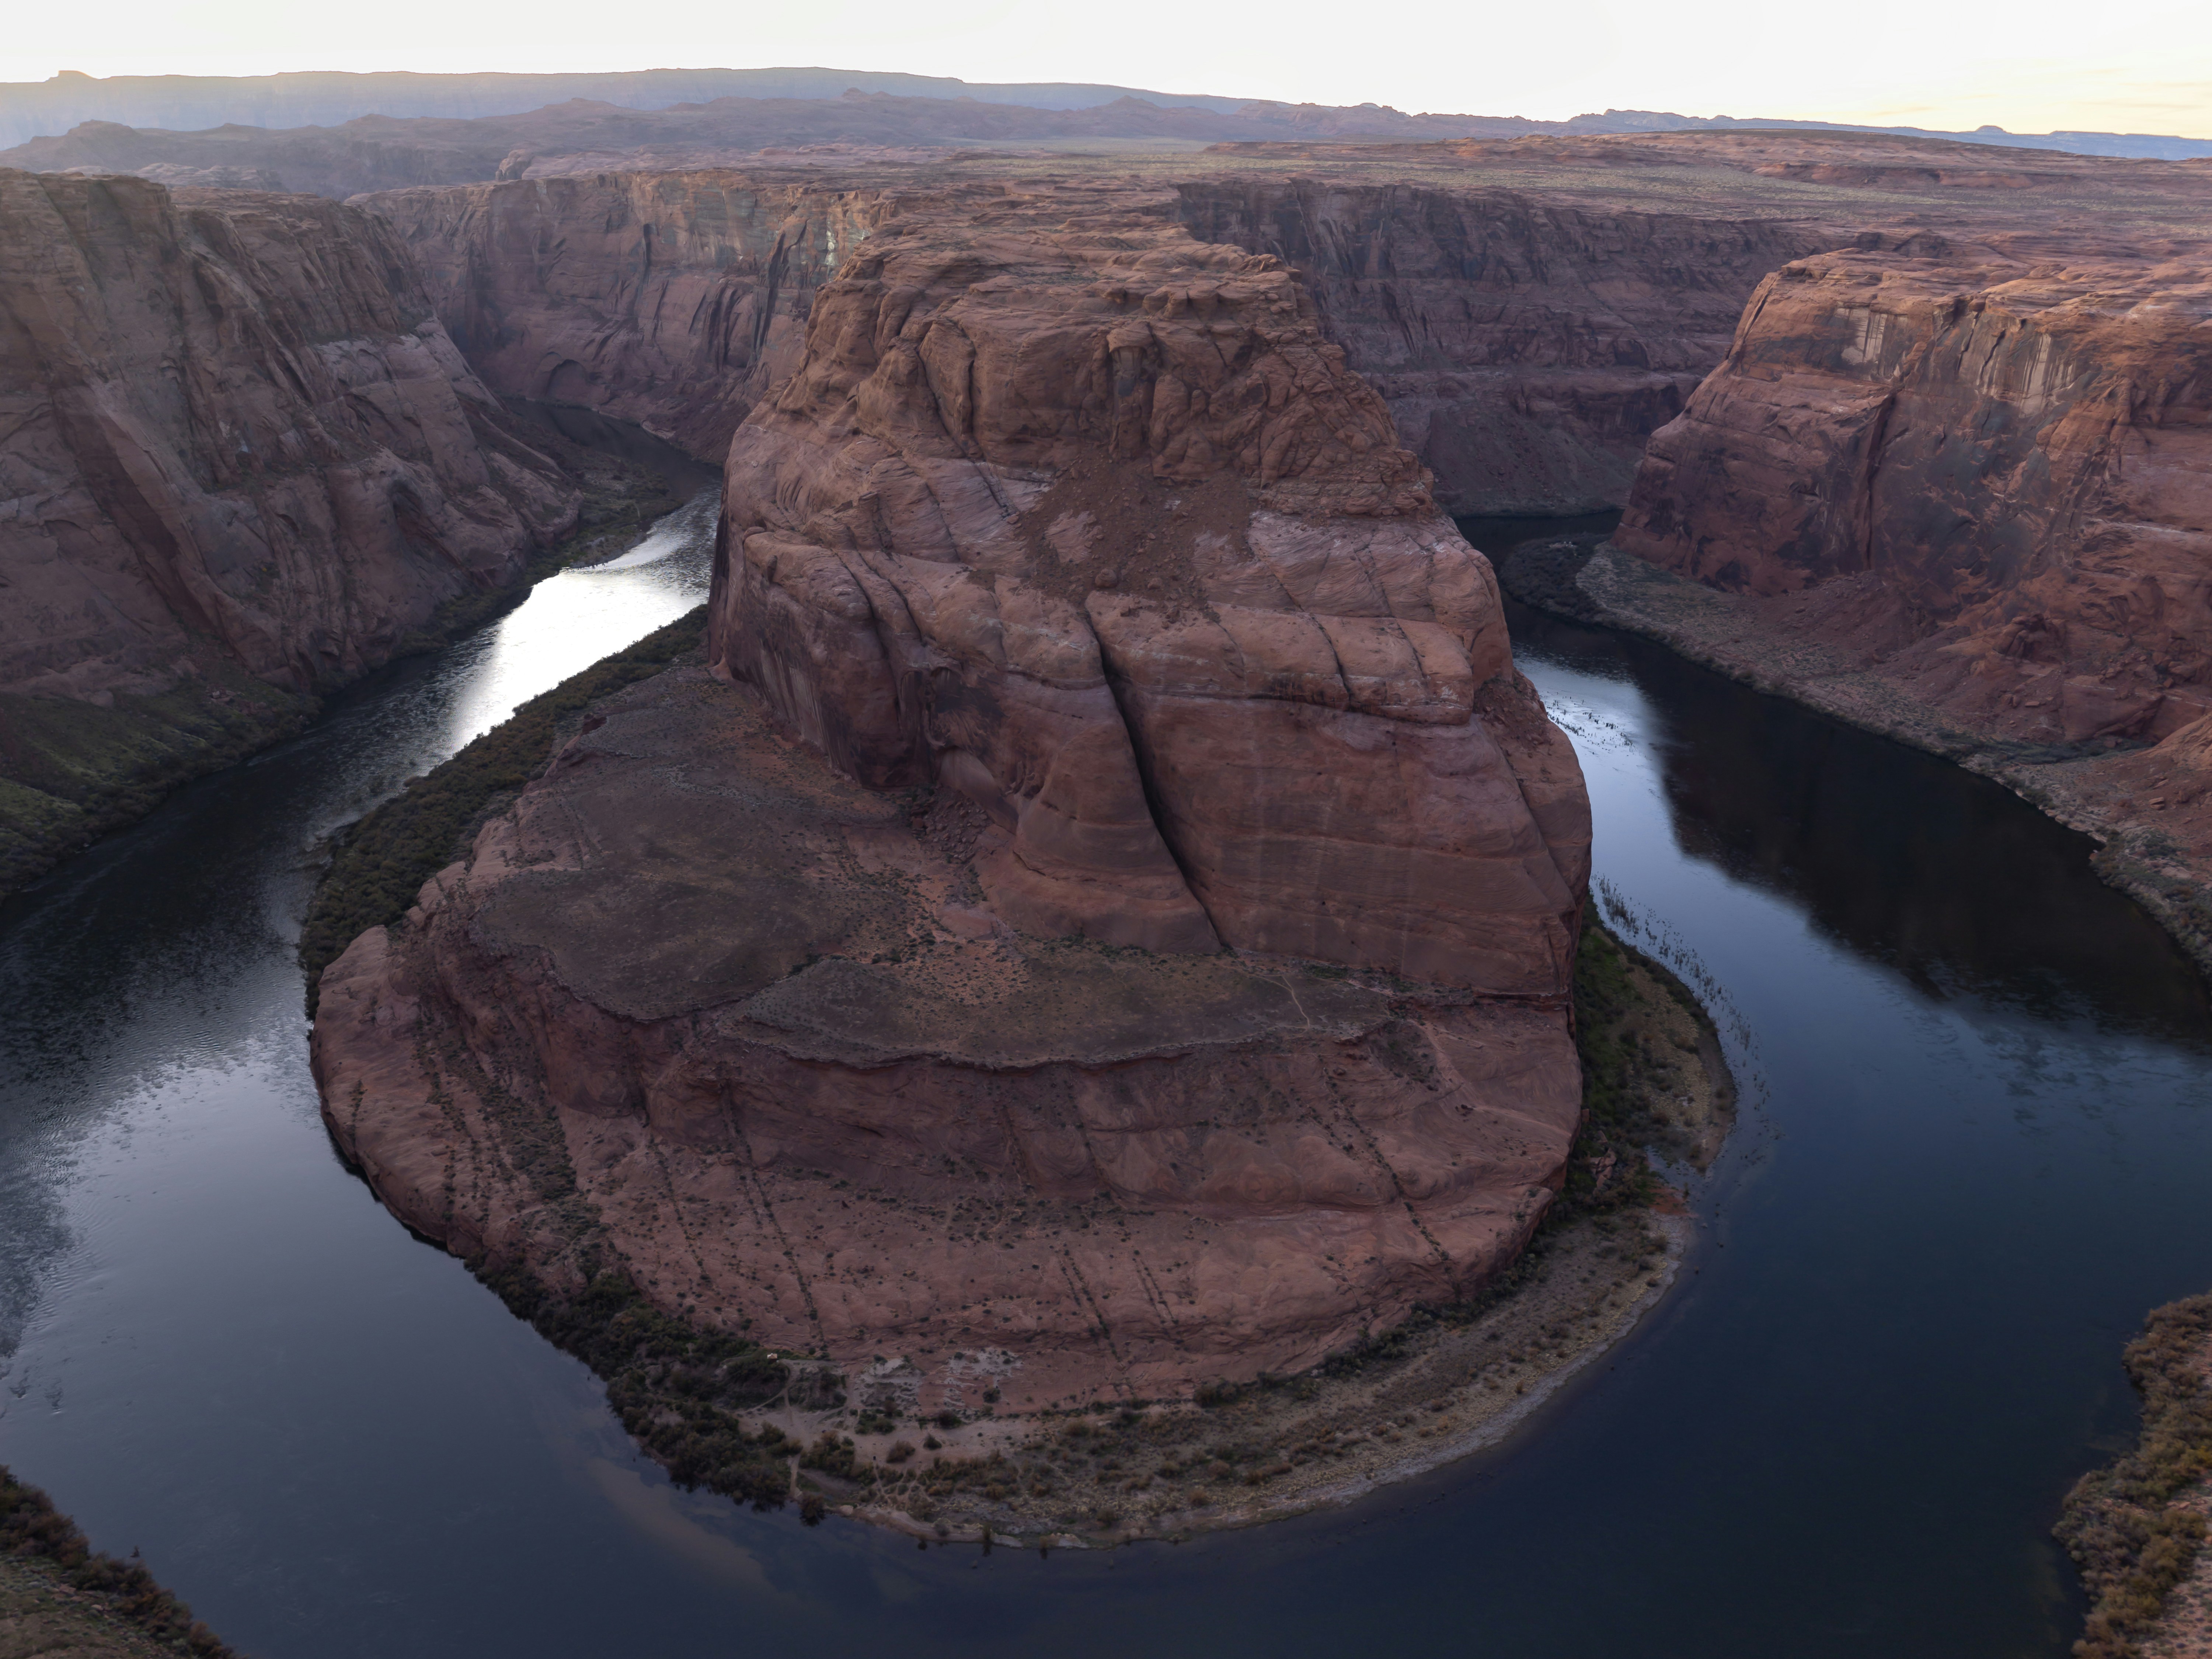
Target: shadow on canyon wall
point(1911, 861)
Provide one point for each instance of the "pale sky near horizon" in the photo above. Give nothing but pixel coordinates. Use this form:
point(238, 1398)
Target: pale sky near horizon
point(2030, 67)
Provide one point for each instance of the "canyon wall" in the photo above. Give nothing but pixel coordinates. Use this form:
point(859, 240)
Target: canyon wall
point(1101, 918)
point(1991, 474)
point(243, 459)
point(671, 299)
point(1527, 348)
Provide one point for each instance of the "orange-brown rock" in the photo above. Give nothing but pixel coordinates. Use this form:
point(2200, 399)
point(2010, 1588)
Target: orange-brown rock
point(672, 300)
point(1118, 921)
point(1996, 472)
point(237, 447)
point(1526, 347)
point(1527, 344)
point(814, 1088)
point(1963, 496)
point(233, 422)
point(1087, 521)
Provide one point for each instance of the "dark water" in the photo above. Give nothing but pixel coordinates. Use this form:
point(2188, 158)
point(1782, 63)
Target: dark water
point(1976, 1150)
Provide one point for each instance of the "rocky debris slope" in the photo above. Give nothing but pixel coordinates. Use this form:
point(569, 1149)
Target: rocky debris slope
point(244, 460)
point(673, 300)
point(1115, 933)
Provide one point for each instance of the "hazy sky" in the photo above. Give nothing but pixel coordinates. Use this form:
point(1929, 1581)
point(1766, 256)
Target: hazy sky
point(2140, 65)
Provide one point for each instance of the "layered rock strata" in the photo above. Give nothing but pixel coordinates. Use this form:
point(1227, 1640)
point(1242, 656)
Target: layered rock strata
point(242, 454)
point(1965, 498)
point(1106, 915)
point(1997, 473)
point(1527, 348)
point(673, 300)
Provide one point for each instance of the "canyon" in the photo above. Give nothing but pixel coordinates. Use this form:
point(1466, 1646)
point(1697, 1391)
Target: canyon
point(963, 456)
point(1526, 343)
point(1007, 1005)
point(1962, 493)
point(1087, 921)
point(1531, 309)
point(244, 462)
point(1095, 918)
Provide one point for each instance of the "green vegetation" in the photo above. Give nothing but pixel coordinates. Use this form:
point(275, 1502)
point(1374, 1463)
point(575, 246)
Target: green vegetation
point(71, 771)
point(384, 860)
point(1620, 1067)
point(677, 1387)
point(2121, 1525)
point(32, 1531)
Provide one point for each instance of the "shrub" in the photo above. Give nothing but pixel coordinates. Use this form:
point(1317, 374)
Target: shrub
point(30, 1526)
point(2132, 1542)
point(382, 861)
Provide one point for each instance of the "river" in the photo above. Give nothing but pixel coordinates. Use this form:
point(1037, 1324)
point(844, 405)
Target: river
point(1975, 1149)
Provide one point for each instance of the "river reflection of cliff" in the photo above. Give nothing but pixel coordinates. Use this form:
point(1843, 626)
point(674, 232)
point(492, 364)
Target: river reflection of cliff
point(1903, 858)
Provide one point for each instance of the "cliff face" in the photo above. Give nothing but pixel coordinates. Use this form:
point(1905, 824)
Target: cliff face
point(1964, 498)
point(1527, 347)
point(242, 454)
point(671, 299)
point(1995, 475)
point(1077, 617)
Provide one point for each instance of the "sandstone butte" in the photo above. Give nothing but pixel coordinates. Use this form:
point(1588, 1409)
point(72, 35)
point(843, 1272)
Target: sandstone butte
point(242, 457)
point(1107, 903)
point(1533, 311)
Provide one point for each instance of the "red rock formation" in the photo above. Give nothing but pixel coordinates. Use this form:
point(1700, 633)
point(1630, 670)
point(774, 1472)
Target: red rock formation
point(1058, 516)
point(1993, 476)
point(230, 424)
point(1528, 346)
point(1086, 619)
point(671, 299)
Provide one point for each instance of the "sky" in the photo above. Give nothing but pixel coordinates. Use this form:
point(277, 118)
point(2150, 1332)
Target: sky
point(2031, 66)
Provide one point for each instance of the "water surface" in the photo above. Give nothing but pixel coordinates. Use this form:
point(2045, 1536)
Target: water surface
point(1975, 1148)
